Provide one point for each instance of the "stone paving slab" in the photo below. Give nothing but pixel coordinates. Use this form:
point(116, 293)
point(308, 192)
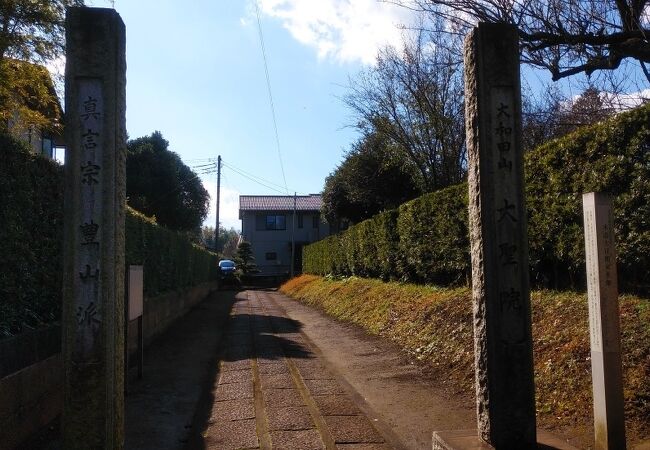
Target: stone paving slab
point(336, 405)
point(352, 429)
point(277, 381)
point(282, 397)
point(363, 447)
point(297, 440)
point(229, 410)
point(289, 418)
point(236, 365)
point(324, 387)
point(225, 435)
point(236, 376)
point(274, 392)
point(234, 391)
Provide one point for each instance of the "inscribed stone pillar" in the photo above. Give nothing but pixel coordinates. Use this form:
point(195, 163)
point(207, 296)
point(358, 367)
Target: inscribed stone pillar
point(604, 323)
point(499, 243)
point(93, 291)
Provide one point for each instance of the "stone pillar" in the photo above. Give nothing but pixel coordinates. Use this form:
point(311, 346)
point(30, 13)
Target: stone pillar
point(93, 290)
point(604, 324)
point(499, 242)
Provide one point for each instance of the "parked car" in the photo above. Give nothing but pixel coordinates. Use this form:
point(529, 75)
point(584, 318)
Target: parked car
point(227, 271)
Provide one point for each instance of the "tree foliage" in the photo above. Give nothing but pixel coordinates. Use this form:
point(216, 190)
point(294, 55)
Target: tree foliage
point(414, 97)
point(374, 176)
point(31, 31)
point(245, 259)
point(225, 236)
point(159, 184)
point(565, 37)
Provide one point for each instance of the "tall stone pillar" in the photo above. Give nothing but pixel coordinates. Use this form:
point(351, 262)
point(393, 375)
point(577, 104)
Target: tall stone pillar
point(499, 242)
point(93, 291)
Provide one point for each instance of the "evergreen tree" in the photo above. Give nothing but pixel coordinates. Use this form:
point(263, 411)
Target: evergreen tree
point(245, 259)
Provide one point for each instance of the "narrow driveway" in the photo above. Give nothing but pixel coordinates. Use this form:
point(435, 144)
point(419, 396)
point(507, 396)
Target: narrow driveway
point(257, 370)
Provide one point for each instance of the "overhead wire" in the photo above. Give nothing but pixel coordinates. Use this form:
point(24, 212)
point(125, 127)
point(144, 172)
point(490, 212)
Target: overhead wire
point(254, 176)
point(268, 86)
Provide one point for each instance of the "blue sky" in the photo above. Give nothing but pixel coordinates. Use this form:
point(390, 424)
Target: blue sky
point(196, 73)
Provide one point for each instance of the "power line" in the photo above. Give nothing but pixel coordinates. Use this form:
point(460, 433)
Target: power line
point(257, 181)
point(254, 176)
point(268, 86)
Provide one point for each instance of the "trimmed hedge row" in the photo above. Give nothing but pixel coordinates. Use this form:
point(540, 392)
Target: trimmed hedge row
point(170, 261)
point(31, 234)
point(426, 240)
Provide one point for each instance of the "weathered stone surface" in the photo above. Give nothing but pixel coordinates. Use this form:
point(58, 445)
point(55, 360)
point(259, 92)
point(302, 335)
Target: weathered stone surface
point(297, 440)
point(282, 397)
point(277, 381)
point(373, 446)
point(93, 285)
point(233, 410)
point(324, 387)
point(273, 369)
point(604, 322)
point(242, 364)
point(352, 429)
point(336, 405)
point(289, 418)
point(233, 435)
point(235, 376)
point(499, 247)
point(234, 391)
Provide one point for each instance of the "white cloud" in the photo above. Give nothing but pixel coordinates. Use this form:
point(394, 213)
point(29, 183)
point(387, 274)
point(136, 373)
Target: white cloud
point(627, 101)
point(228, 208)
point(342, 30)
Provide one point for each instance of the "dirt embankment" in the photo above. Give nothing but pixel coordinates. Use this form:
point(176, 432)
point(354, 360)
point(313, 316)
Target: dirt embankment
point(434, 325)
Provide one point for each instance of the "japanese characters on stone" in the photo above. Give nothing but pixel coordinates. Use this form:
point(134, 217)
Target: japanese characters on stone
point(87, 312)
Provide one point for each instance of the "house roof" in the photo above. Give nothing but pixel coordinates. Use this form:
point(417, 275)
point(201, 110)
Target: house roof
point(310, 202)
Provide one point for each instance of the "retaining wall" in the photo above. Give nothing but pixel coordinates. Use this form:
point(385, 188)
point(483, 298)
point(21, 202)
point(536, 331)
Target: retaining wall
point(31, 387)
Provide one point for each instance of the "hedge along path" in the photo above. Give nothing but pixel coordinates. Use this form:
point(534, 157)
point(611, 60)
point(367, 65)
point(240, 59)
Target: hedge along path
point(31, 189)
point(434, 325)
point(426, 240)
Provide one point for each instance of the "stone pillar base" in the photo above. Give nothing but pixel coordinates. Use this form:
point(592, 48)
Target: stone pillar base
point(468, 440)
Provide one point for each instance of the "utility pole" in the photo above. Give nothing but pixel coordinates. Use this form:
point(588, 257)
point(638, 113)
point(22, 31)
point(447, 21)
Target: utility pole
point(216, 229)
point(293, 237)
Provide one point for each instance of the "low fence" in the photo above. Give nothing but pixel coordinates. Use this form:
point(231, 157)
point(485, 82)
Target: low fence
point(31, 366)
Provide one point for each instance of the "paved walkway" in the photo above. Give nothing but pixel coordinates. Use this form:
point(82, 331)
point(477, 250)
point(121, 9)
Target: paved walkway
point(272, 390)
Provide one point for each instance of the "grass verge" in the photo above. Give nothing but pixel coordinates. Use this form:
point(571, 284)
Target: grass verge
point(434, 325)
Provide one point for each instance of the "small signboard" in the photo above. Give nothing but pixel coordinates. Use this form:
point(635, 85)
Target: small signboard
point(136, 292)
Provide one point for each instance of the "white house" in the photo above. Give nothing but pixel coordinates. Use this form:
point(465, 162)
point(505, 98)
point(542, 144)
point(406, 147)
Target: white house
point(268, 224)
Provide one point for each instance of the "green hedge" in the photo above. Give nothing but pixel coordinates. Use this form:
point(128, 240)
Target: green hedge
point(426, 240)
point(613, 157)
point(170, 261)
point(31, 233)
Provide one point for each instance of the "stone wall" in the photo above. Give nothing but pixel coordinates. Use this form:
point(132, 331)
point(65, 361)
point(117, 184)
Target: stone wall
point(32, 397)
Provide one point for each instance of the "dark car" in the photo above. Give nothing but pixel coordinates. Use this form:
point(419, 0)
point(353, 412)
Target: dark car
point(227, 271)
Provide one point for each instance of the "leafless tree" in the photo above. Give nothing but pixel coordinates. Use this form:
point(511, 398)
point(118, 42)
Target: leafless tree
point(414, 96)
point(566, 37)
point(552, 114)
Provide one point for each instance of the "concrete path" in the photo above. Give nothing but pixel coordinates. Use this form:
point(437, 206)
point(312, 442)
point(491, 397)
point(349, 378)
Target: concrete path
point(273, 391)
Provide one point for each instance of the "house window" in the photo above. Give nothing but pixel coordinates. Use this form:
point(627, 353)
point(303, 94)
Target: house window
point(46, 148)
point(314, 221)
point(276, 222)
point(300, 220)
point(271, 256)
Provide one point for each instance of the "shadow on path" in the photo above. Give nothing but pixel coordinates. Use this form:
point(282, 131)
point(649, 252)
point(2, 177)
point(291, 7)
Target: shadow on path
point(247, 335)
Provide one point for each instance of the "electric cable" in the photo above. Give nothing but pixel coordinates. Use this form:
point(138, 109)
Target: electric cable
point(268, 86)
